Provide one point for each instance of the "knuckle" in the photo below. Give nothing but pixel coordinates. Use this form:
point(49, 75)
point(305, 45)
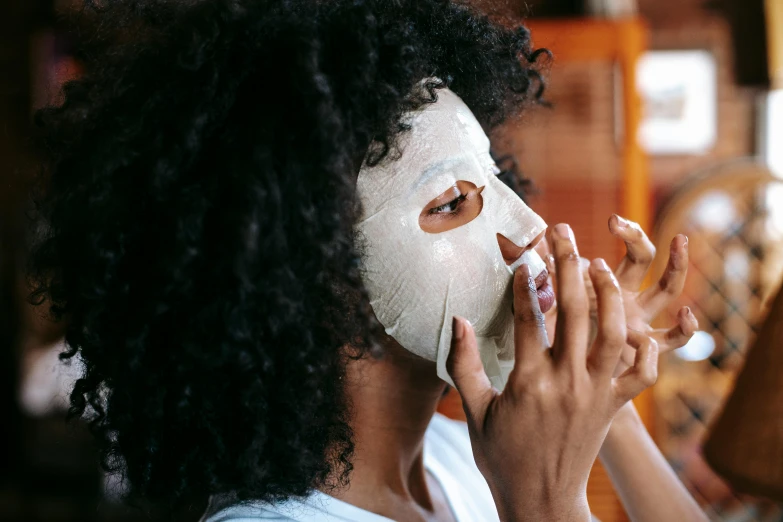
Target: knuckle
point(530, 317)
point(524, 375)
point(668, 286)
point(576, 305)
point(649, 375)
point(535, 387)
point(654, 350)
point(542, 388)
point(568, 257)
point(607, 285)
point(633, 225)
point(612, 337)
point(645, 251)
point(646, 343)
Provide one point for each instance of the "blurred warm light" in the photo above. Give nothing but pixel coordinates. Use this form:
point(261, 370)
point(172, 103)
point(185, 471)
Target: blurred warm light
point(774, 205)
point(698, 348)
point(773, 131)
point(714, 211)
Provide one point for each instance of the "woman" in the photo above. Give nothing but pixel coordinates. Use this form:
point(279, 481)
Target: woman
point(206, 234)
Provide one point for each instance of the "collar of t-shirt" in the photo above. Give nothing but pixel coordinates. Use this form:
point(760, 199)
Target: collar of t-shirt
point(448, 458)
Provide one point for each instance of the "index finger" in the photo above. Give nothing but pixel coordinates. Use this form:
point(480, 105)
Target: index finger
point(530, 338)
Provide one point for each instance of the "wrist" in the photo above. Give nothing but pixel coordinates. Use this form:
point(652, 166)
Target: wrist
point(625, 425)
point(626, 416)
point(529, 508)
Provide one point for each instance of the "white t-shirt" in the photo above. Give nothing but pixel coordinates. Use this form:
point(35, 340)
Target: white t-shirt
point(447, 456)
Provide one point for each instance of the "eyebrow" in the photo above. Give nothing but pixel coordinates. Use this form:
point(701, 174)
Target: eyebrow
point(438, 168)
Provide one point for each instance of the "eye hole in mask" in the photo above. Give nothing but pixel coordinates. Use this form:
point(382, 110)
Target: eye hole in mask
point(457, 206)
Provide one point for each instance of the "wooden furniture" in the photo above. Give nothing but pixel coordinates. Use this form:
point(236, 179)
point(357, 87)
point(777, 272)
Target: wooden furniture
point(746, 443)
point(774, 15)
point(731, 214)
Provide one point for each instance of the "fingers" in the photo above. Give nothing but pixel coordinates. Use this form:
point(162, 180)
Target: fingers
point(612, 334)
point(644, 371)
point(572, 316)
point(530, 338)
point(670, 286)
point(549, 261)
point(591, 298)
point(639, 255)
point(467, 372)
point(679, 335)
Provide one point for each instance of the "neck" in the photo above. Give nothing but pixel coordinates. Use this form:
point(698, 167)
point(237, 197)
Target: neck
point(392, 400)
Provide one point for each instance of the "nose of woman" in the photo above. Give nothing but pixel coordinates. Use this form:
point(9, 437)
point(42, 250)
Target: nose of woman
point(511, 251)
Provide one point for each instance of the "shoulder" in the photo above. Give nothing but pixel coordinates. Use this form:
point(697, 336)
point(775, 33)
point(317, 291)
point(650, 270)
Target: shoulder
point(224, 508)
point(315, 507)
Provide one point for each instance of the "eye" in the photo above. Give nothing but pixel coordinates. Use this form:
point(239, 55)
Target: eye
point(457, 206)
point(449, 207)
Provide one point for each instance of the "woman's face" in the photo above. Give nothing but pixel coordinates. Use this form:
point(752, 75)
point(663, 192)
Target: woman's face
point(442, 237)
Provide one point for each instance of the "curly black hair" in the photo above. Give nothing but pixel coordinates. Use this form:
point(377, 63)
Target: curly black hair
point(196, 221)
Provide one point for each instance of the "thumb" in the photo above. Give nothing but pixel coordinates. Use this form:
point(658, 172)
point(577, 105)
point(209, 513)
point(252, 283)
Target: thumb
point(467, 372)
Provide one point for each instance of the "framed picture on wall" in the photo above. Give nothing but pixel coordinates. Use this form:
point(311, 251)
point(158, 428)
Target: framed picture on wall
point(679, 92)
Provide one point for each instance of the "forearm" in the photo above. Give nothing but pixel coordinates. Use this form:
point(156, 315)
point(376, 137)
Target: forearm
point(648, 487)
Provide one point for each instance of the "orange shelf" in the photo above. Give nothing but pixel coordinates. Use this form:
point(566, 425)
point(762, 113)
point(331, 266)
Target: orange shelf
point(623, 42)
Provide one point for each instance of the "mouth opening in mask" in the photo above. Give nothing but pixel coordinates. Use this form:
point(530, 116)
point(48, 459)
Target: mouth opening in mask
point(513, 255)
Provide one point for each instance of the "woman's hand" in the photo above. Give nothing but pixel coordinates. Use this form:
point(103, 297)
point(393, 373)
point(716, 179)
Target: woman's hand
point(536, 441)
point(641, 307)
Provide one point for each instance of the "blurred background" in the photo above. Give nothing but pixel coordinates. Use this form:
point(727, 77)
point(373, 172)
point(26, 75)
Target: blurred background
point(665, 111)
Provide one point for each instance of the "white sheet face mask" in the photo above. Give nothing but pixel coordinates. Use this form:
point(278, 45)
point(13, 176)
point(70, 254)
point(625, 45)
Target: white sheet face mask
point(417, 280)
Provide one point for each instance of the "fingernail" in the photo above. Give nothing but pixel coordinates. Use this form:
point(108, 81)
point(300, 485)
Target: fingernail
point(524, 270)
point(685, 243)
point(622, 223)
point(563, 230)
point(688, 310)
point(600, 264)
point(458, 329)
